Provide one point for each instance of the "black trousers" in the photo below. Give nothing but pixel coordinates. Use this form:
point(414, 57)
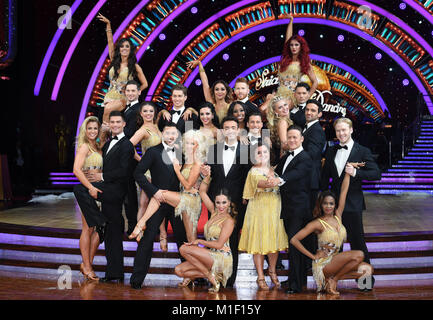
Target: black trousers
point(298, 262)
point(145, 246)
point(352, 221)
point(131, 203)
point(112, 199)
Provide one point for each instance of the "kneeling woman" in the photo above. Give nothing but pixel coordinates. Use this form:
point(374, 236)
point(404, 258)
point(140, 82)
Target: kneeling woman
point(329, 264)
point(215, 261)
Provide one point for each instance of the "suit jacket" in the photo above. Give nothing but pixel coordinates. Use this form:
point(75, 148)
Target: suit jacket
point(295, 193)
point(355, 198)
point(118, 164)
point(298, 118)
point(235, 179)
point(131, 116)
point(180, 125)
point(251, 107)
point(314, 143)
point(161, 169)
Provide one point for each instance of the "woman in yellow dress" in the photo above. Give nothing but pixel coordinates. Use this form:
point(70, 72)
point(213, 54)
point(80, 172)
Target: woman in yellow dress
point(329, 264)
point(215, 260)
point(148, 135)
point(263, 231)
point(88, 158)
point(209, 123)
point(220, 94)
point(123, 68)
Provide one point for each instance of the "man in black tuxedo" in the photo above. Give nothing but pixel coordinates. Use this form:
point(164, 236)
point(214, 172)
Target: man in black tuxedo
point(241, 91)
point(229, 165)
point(335, 162)
point(294, 170)
point(159, 160)
point(131, 114)
point(314, 143)
point(297, 114)
point(118, 157)
point(178, 112)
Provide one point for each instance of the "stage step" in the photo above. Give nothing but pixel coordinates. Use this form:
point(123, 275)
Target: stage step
point(34, 251)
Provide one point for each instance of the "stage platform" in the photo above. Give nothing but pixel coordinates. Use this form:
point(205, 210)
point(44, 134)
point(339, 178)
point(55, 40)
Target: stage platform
point(39, 238)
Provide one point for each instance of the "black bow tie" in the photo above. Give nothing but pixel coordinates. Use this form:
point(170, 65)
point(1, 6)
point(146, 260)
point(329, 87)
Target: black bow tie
point(178, 112)
point(128, 105)
point(291, 153)
point(228, 147)
point(115, 138)
point(170, 149)
point(338, 146)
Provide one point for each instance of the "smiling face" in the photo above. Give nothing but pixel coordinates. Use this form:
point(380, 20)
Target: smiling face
point(241, 90)
point(312, 112)
point(343, 132)
point(206, 115)
point(92, 130)
point(178, 99)
point(190, 146)
point(230, 130)
point(147, 112)
point(222, 204)
point(294, 139)
point(262, 155)
point(132, 92)
point(125, 49)
point(220, 91)
point(169, 135)
point(255, 124)
point(282, 108)
point(295, 47)
point(116, 125)
point(239, 112)
point(328, 205)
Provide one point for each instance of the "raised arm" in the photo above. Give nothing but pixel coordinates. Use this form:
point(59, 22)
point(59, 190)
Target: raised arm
point(289, 31)
point(314, 81)
point(203, 77)
point(109, 32)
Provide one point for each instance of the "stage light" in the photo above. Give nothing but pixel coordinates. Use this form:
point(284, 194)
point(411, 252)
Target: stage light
point(162, 36)
point(378, 56)
point(390, 69)
point(405, 82)
point(301, 32)
point(341, 38)
point(321, 36)
point(262, 38)
point(244, 48)
point(194, 10)
point(198, 82)
point(226, 56)
point(402, 6)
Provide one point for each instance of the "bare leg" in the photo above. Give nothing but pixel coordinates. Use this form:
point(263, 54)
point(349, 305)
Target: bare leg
point(191, 235)
point(272, 259)
point(163, 237)
point(85, 244)
point(258, 262)
point(200, 258)
point(94, 244)
point(115, 105)
point(144, 201)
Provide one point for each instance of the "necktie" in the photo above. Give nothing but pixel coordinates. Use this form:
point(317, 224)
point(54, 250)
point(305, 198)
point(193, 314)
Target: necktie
point(338, 146)
point(227, 147)
point(291, 153)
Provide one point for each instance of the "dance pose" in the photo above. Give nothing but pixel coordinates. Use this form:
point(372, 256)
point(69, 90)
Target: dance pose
point(88, 158)
point(215, 261)
point(263, 230)
point(220, 94)
point(123, 68)
point(329, 264)
point(187, 202)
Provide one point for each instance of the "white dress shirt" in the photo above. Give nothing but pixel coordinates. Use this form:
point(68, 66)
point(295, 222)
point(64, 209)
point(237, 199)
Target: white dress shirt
point(175, 117)
point(297, 107)
point(130, 104)
point(251, 141)
point(229, 157)
point(288, 160)
point(341, 157)
point(112, 143)
point(171, 155)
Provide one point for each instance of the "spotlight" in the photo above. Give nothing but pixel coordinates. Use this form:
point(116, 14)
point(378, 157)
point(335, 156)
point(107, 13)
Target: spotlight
point(390, 69)
point(301, 32)
point(321, 36)
point(262, 38)
point(378, 56)
point(226, 56)
point(162, 36)
point(402, 6)
point(198, 82)
point(340, 38)
point(405, 82)
point(194, 10)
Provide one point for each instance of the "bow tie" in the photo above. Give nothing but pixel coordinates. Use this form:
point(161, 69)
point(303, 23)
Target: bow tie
point(177, 112)
point(305, 127)
point(252, 138)
point(291, 153)
point(128, 105)
point(170, 149)
point(115, 138)
point(228, 147)
point(338, 146)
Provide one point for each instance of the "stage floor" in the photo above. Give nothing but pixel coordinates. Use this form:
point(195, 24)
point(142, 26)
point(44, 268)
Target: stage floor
point(385, 213)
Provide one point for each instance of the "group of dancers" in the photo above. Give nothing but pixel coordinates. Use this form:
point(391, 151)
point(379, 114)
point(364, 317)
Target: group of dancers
point(258, 170)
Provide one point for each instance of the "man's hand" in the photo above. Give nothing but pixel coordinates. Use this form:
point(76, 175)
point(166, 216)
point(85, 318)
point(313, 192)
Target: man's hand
point(94, 192)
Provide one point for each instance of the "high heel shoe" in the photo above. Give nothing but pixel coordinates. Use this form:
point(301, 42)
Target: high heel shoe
point(89, 275)
point(274, 279)
point(331, 286)
point(262, 284)
point(137, 233)
point(163, 244)
point(185, 283)
point(215, 287)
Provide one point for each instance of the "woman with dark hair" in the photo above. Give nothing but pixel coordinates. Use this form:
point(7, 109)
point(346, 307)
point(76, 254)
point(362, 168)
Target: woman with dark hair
point(220, 94)
point(209, 122)
point(329, 264)
point(263, 230)
point(294, 64)
point(88, 158)
point(214, 261)
point(148, 135)
point(123, 67)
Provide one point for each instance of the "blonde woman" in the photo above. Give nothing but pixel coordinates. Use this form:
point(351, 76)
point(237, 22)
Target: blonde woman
point(88, 158)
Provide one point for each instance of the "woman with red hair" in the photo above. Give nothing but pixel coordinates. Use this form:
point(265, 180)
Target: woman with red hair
point(294, 64)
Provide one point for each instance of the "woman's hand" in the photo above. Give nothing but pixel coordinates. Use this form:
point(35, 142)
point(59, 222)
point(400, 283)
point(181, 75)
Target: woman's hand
point(187, 114)
point(103, 19)
point(176, 165)
point(320, 254)
point(193, 243)
point(166, 115)
point(205, 170)
point(192, 64)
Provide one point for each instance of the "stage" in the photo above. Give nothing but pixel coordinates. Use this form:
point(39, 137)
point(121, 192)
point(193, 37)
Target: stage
point(39, 245)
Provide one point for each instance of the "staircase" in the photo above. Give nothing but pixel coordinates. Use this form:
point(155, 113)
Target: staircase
point(414, 173)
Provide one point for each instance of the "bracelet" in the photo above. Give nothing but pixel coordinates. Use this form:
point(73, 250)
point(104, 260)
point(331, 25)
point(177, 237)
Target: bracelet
point(108, 30)
point(201, 69)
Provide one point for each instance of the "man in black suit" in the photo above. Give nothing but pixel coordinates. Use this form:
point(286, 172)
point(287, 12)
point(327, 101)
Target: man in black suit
point(314, 143)
point(241, 91)
point(294, 170)
point(297, 114)
point(118, 156)
point(159, 160)
point(335, 162)
point(179, 111)
point(131, 114)
point(229, 165)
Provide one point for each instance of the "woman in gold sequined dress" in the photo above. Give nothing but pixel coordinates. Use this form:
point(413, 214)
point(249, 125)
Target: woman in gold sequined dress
point(329, 264)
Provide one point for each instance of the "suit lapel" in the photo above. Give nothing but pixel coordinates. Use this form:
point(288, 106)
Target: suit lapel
point(114, 148)
point(236, 159)
point(353, 152)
